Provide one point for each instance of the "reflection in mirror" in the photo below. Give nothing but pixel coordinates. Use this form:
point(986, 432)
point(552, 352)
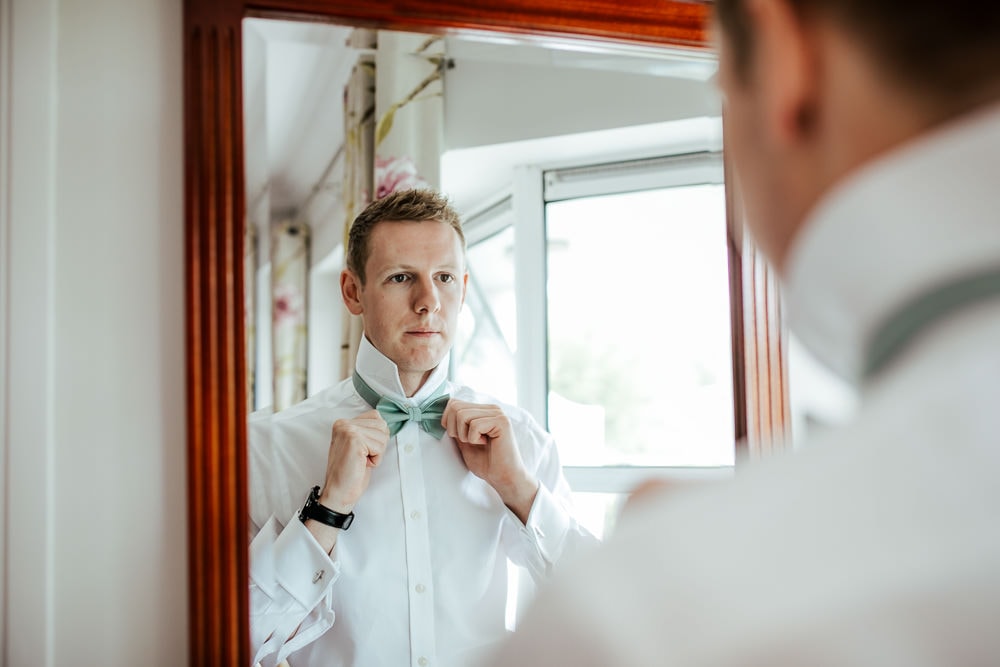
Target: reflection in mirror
point(589, 179)
point(627, 141)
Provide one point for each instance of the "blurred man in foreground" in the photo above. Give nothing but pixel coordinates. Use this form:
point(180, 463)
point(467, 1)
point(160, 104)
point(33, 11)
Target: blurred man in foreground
point(865, 135)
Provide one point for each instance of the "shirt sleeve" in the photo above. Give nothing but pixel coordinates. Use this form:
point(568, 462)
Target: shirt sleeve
point(291, 590)
point(552, 532)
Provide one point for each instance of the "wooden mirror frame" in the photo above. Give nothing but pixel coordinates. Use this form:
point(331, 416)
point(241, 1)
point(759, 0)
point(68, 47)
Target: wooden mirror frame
point(214, 229)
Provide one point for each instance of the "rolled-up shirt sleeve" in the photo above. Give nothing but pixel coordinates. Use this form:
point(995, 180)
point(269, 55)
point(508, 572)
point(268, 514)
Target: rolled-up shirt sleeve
point(291, 590)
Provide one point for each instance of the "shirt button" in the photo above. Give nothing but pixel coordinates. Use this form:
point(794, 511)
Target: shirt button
point(408, 449)
point(423, 662)
point(414, 514)
point(419, 588)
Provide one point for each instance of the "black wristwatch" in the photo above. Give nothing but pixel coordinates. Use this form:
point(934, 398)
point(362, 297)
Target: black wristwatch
point(318, 512)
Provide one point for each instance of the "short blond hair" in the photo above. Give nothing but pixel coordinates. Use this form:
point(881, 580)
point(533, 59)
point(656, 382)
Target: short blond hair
point(415, 205)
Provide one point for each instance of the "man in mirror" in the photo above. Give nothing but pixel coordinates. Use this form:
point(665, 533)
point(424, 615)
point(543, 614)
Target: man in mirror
point(865, 135)
point(386, 508)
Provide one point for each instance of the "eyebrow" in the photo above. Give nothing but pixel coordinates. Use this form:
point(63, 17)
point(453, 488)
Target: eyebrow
point(393, 268)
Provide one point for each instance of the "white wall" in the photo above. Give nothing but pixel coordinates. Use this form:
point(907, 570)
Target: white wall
point(510, 104)
point(95, 427)
point(492, 103)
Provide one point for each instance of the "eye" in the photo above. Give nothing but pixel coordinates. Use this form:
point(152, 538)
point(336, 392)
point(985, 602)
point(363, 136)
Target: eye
point(398, 278)
point(446, 278)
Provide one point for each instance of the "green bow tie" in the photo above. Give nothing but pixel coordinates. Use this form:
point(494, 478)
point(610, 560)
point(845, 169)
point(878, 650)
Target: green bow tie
point(427, 414)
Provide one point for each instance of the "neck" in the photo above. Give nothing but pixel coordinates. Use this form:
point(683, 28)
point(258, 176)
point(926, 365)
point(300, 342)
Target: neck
point(412, 382)
point(861, 114)
point(892, 216)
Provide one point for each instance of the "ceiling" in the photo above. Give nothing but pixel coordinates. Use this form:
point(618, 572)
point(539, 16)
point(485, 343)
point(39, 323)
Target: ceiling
point(295, 74)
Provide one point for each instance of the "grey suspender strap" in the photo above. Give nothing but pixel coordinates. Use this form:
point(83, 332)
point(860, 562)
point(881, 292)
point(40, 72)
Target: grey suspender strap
point(900, 329)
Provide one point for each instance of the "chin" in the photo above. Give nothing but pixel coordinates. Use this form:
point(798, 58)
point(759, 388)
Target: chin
point(421, 361)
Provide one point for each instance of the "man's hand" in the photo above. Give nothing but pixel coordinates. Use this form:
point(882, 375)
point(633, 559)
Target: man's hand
point(649, 490)
point(486, 441)
point(356, 446)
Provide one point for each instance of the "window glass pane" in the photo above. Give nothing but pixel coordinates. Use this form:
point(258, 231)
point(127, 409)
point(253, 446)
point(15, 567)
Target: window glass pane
point(640, 358)
point(483, 357)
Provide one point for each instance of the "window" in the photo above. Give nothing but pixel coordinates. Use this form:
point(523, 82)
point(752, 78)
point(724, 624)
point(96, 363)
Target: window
point(485, 350)
point(625, 354)
point(640, 359)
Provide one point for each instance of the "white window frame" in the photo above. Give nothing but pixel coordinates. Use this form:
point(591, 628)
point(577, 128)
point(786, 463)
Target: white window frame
point(522, 206)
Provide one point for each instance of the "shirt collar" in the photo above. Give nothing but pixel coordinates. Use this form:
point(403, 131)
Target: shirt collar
point(921, 214)
point(382, 375)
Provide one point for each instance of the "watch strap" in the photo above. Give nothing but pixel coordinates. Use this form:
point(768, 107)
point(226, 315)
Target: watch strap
point(316, 511)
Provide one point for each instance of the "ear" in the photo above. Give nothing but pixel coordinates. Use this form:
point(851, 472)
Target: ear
point(350, 291)
point(465, 286)
point(785, 68)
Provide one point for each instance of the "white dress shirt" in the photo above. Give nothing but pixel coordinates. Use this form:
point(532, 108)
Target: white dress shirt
point(876, 545)
point(420, 578)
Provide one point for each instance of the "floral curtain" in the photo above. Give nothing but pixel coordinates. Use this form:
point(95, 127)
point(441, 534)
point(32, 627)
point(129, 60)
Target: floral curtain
point(394, 115)
point(289, 282)
point(359, 165)
point(409, 102)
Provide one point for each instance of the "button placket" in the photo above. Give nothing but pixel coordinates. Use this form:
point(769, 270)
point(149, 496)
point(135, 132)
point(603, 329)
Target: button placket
point(418, 559)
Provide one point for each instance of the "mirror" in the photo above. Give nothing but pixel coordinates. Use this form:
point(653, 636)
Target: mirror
point(216, 201)
point(498, 103)
point(469, 111)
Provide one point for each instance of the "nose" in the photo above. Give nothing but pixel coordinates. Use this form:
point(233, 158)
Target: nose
point(425, 297)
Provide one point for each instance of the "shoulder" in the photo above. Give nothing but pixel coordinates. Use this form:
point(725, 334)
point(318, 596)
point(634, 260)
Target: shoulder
point(306, 419)
point(286, 447)
point(333, 397)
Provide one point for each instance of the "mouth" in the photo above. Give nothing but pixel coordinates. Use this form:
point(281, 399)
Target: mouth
point(423, 333)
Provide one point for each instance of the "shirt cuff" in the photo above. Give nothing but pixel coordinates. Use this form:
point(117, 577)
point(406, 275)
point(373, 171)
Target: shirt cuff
point(547, 525)
point(301, 565)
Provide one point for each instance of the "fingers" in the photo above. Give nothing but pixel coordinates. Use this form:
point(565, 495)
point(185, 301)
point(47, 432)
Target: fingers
point(650, 489)
point(356, 446)
point(647, 488)
point(370, 420)
point(377, 431)
point(473, 423)
point(367, 434)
